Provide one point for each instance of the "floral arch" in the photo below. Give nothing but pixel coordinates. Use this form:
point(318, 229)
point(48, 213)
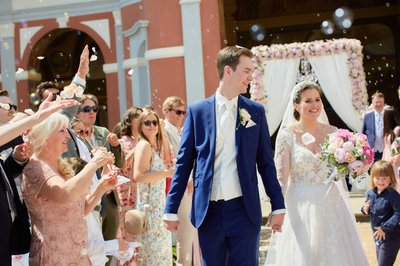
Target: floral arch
point(337, 65)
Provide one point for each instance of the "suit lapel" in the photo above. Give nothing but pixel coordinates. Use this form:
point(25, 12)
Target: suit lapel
point(239, 127)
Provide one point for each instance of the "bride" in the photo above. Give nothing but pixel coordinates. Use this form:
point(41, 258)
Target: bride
point(319, 228)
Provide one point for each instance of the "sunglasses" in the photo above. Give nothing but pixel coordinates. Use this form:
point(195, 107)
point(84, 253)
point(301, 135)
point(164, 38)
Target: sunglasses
point(83, 132)
point(148, 123)
point(178, 112)
point(86, 109)
point(8, 106)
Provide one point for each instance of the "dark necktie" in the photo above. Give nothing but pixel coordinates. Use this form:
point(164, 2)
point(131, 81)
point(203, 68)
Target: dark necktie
point(9, 193)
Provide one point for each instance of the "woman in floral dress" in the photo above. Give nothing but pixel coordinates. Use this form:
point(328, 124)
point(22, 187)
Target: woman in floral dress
point(149, 172)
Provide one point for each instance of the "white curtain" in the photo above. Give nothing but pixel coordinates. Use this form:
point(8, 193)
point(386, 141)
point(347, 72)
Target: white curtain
point(333, 76)
point(279, 79)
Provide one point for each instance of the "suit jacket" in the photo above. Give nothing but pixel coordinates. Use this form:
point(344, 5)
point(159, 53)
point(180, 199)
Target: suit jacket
point(100, 134)
point(17, 234)
point(369, 127)
point(253, 150)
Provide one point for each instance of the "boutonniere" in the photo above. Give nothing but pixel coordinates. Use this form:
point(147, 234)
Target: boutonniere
point(245, 119)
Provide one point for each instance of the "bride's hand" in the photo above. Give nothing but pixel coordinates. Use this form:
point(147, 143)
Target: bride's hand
point(275, 221)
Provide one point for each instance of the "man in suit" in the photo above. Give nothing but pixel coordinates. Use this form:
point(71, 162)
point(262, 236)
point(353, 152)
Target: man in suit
point(373, 124)
point(225, 139)
point(187, 247)
point(101, 137)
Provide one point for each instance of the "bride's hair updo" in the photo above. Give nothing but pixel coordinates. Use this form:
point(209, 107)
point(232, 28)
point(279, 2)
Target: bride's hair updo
point(298, 89)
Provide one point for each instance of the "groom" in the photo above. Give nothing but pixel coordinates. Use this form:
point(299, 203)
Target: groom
point(224, 139)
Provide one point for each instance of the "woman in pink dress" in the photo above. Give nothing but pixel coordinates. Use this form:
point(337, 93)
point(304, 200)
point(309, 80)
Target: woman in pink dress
point(56, 198)
point(127, 192)
point(128, 140)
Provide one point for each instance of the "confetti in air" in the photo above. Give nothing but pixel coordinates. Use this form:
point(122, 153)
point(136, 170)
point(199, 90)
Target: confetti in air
point(93, 58)
point(19, 71)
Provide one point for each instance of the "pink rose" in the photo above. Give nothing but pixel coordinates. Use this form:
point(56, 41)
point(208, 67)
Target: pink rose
point(356, 167)
point(340, 155)
point(343, 133)
point(348, 146)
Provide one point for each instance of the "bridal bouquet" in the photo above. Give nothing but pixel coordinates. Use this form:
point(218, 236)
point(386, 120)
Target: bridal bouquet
point(347, 153)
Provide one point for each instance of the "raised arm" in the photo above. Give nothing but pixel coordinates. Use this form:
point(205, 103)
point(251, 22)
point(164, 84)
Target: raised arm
point(17, 128)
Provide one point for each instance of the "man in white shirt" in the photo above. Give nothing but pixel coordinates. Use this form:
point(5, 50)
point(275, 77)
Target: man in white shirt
point(225, 140)
point(174, 109)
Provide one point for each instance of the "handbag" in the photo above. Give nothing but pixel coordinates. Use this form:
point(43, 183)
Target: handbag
point(136, 220)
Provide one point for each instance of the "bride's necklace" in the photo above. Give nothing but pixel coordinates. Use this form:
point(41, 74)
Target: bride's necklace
point(312, 132)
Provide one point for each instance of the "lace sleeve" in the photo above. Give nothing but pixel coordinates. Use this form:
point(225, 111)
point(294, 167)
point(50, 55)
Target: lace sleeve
point(284, 142)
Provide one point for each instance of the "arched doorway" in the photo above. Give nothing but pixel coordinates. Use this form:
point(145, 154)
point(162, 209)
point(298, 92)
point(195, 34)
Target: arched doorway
point(55, 57)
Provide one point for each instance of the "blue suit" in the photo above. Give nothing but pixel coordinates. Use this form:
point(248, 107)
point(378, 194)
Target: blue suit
point(197, 152)
point(369, 129)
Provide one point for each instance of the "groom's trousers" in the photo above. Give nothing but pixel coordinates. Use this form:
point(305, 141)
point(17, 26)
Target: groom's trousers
point(227, 236)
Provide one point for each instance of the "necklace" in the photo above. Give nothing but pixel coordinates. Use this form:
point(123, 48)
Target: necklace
point(312, 132)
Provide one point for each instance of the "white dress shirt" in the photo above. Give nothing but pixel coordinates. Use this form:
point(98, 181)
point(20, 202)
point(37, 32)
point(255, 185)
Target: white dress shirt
point(379, 144)
point(226, 183)
point(173, 135)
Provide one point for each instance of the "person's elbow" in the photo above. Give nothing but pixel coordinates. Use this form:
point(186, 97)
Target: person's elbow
point(138, 177)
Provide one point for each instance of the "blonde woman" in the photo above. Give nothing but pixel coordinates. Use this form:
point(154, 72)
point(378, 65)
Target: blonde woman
point(55, 198)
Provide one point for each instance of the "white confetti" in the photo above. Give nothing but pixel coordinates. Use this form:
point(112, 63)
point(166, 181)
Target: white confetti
point(93, 58)
point(19, 71)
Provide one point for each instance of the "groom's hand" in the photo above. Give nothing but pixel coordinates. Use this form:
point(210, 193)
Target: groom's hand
point(171, 225)
point(275, 222)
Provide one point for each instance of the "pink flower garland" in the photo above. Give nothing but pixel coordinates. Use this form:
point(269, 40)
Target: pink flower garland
point(304, 50)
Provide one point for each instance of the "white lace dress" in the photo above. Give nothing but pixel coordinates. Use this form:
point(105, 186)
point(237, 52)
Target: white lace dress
point(156, 240)
point(319, 228)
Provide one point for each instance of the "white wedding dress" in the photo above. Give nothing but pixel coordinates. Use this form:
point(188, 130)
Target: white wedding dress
point(319, 228)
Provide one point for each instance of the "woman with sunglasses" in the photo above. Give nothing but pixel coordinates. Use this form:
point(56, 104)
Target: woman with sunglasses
point(7, 109)
point(149, 172)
